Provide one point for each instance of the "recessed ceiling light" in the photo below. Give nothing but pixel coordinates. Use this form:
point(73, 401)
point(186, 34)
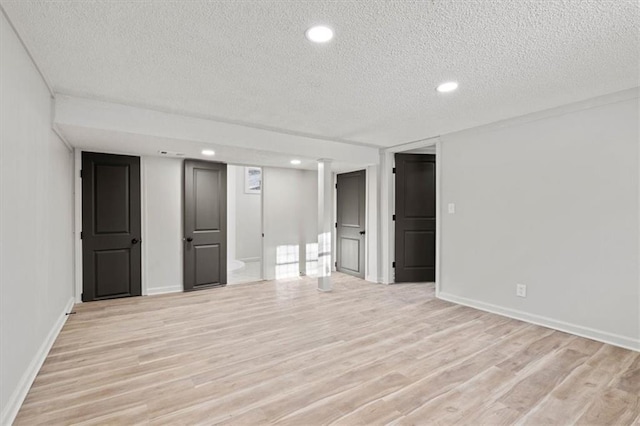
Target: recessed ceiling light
point(319, 34)
point(295, 162)
point(208, 152)
point(449, 86)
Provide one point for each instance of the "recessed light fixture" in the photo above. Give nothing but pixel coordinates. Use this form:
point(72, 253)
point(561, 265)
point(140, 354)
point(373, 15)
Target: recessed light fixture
point(319, 34)
point(208, 152)
point(295, 162)
point(449, 86)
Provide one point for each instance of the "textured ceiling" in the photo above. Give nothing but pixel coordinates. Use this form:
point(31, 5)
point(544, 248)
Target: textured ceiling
point(248, 61)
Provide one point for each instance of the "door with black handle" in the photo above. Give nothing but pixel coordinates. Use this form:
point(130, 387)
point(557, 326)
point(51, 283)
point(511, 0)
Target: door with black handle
point(350, 224)
point(111, 226)
point(205, 224)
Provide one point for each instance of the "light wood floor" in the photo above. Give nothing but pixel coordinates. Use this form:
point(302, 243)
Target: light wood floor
point(363, 354)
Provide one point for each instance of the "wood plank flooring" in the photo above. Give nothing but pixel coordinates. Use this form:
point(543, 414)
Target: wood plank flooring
point(281, 352)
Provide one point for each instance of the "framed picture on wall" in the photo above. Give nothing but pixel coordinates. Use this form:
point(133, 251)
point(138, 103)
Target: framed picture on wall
point(252, 180)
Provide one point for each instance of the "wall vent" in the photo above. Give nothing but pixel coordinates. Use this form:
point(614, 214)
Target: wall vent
point(171, 153)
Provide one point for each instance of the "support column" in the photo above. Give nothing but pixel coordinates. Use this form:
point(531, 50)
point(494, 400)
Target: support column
point(325, 219)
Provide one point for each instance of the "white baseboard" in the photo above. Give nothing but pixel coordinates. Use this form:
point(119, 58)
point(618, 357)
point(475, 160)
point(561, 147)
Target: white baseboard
point(250, 259)
point(578, 330)
point(371, 279)
point(163, 290)
point(20, 393)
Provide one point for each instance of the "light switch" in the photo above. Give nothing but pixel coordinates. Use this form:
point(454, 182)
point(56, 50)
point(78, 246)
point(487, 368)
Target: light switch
point(451, 207)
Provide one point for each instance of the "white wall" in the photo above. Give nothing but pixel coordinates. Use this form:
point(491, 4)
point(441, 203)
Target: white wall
point(231, 213)
point(551, 203)
point(290, 212)
point(290, 217)
point(162, 222)
point(36, 232)
point(248, 240)
point(372, 225)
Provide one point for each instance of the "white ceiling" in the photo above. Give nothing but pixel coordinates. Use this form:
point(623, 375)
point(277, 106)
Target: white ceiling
point(248, 61)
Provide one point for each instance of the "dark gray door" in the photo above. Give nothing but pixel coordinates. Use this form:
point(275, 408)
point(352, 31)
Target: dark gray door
point(205, 224)
point(110, 226)
point(351, 220)
point(415, 218)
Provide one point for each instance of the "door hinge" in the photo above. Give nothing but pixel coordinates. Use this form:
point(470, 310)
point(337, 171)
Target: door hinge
point(393, 265)
point(393, 170)
point(336, 263)
point(336, 225)
point(336, 186)
point(80, 234)
point(393, 217)
point(80, 174)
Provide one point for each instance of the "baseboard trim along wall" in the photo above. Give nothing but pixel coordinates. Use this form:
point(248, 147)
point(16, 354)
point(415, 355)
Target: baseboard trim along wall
point(589, 333)
point(20, 393)
point(163, 290)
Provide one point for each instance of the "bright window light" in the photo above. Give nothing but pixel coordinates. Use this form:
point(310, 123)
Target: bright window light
point(287, 261)
point(312, 259)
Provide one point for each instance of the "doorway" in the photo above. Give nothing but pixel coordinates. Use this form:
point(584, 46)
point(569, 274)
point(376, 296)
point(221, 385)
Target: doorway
point(415, 218)
point(350, 223)
point(111, 226)
point(244, 224)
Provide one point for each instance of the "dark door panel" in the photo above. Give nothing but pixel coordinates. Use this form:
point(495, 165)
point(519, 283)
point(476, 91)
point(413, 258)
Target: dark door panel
point(415, 227)
point(207, 264)
point(351, 223)
point(205, 224)
point(113, 273)
point(111, 226)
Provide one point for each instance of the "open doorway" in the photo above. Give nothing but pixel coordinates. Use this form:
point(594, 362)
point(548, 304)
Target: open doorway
point(244, 224)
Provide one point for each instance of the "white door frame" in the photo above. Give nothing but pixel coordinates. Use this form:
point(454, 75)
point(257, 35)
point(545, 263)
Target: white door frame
point(387, 207)
point(77, 220)
point(262, 222)
point(371, 221)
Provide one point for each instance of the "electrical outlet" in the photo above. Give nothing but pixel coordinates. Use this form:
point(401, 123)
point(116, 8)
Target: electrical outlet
point(521, 290)
point(451, 208)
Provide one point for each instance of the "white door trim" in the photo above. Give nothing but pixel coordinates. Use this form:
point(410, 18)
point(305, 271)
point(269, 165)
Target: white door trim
point(77, 222)
point(262, 221)
point(387, 207)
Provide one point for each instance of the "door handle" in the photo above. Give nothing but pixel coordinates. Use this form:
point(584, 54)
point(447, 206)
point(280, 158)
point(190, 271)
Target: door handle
point(189, 239)
point(135, 241)
point(362, 232)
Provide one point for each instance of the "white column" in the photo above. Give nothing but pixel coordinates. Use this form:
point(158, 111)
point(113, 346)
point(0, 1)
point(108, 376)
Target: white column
point(325, 213)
